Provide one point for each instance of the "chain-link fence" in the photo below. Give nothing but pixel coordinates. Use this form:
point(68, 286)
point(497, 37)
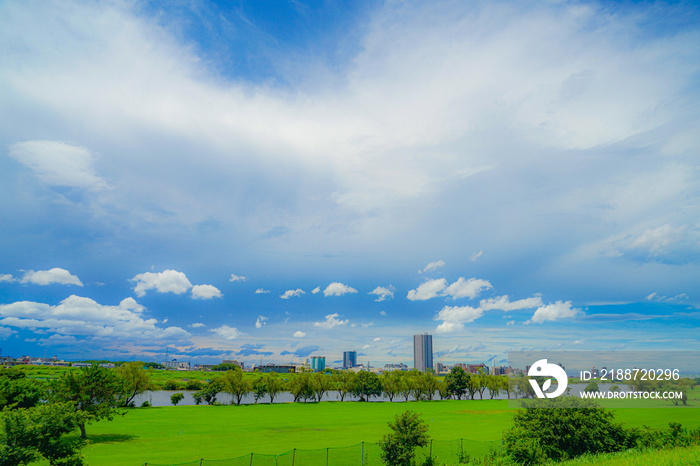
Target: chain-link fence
point(362, 454)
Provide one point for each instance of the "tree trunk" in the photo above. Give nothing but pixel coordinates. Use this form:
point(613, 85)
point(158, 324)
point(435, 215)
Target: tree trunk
point(82, 430)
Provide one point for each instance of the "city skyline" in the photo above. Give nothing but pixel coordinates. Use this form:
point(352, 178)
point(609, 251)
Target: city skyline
point(210, 181)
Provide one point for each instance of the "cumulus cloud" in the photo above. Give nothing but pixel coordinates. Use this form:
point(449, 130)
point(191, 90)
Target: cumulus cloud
point(6, 277)
point(168, 281)
point(338, 289)
point(504, 304)
point(236, 278)
point(6, 332)
point(261, 291)
point(462, 288)
point(466, 288)
point(455, 317)
point(299, 334)
point(226, 332)
point(260, 321)
point(331, 321)
point(316, 290)
point(80, 316)
point(48, 277)
point(291, 293)
point(678, 299)
point(552, 312)
point(383, 293)
point(428, 290)
point(59, 164)
point(206, 292)
point(197, 325)
point(432, 266)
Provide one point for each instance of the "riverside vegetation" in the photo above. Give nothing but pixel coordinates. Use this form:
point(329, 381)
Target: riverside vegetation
point(85, 396)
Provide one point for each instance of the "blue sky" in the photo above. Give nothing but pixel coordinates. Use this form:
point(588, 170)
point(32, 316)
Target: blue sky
point(270, 180)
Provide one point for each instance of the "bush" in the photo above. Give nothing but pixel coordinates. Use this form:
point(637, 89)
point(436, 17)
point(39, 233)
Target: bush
point(562, 428)
point(170, 385)
point(175, 398)
point(398, 448)
point(146, 404)
point(194, 385)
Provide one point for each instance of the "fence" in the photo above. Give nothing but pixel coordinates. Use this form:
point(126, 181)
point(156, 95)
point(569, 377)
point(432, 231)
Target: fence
point(362, 454)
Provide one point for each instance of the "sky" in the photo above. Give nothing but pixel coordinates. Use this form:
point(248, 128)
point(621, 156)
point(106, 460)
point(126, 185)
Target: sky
point(271, 180)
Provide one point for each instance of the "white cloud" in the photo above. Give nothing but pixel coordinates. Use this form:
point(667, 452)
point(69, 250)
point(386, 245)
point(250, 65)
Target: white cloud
point(552, 312)
point(261, 291)
point(504, 304)
point(383, 293)
point(47, 277)
point(331, 321)
point(428, 290)
point(59, 164)
point(168, 281)
point(377, 339)
point(432, 266)
point(206, 292)
point(338, 289)
point(197, 325)
point(678, 299)
point(80, 316)
point(6, 332)
point(510, 322)
point(466, 288)
point(462, 288)
point(299, 334)
point(229, 333)
point(476, 255)
point(6, 277)
point(260, 321)
point(382, 313)
point(316, 290)
point(455, 317)
point(291, 293)
point(236, 278)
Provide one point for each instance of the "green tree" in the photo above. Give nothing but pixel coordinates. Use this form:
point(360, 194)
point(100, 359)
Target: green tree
point(209, 392)
point(135, 378)
point(301, 387)
point(259, 387)
point(592, 388)
point(19, 391)
point(457, 382)
point(175, 398)
point(562, 428)
point(391, 384)
point(236, 384)
point(274, 385)
point(31, 434)
point(321, 384)
point(94, 392)
point(366, 385)
point(409, 431)
point(343, 383)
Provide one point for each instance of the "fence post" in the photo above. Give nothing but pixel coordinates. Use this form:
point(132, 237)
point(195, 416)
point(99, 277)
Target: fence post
point(294, 454)
point(251, 459)
point(201, 461)
point(327, 456)
point(362, 458)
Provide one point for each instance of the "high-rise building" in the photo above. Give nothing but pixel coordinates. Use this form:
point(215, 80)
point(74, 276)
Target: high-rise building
point(423, 352)
point(349, 359)
point(318, 363)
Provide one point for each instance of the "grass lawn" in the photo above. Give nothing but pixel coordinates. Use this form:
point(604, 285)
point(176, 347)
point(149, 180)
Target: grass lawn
point(186, 433)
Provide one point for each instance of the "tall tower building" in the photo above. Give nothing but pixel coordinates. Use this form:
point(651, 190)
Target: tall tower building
point(349, 359)
point(423, 352)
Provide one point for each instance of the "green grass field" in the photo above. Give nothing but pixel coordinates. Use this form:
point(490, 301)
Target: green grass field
point(181, 434)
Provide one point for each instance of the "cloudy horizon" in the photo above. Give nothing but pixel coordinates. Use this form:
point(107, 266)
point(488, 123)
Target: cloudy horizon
point(214, 181)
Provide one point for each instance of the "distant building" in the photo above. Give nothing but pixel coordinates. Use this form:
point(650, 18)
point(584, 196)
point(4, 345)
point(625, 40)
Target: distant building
point(175, 365)
point(233, 361)
point(395, 367)
point(318, 363)
point(423, 352)
point(441, 368)
point(280, 369)
point(349, 359)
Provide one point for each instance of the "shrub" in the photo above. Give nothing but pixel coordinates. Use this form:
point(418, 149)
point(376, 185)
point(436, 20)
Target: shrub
point(398, 448)
point(175, 398)
point(561, 428)
point(171, 385)
point(194, 385)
